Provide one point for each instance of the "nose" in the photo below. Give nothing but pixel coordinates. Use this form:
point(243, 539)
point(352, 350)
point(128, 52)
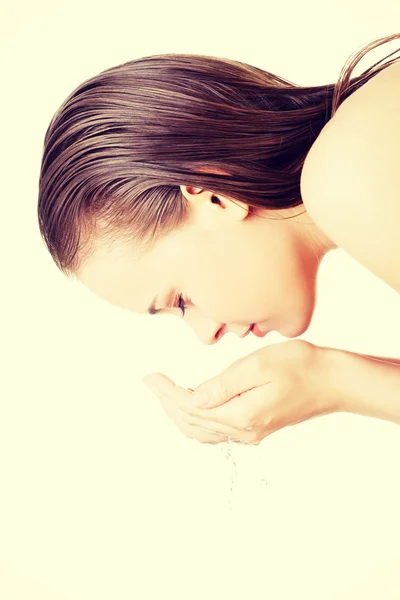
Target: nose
point(209, 333)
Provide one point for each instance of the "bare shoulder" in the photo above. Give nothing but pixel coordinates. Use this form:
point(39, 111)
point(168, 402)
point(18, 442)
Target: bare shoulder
point(373, 107)
point(350, 183)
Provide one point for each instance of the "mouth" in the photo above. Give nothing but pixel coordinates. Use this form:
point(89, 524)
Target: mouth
point(256, 331)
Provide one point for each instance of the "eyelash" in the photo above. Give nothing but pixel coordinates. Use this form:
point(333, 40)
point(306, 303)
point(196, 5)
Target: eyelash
point(181, 304)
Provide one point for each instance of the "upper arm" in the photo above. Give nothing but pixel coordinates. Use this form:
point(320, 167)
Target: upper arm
point(350, 185)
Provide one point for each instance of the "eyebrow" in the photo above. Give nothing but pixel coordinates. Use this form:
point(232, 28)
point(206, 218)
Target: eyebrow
point(152, 310)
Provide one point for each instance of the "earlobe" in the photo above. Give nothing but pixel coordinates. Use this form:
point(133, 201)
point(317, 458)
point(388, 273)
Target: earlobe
point(240, 210)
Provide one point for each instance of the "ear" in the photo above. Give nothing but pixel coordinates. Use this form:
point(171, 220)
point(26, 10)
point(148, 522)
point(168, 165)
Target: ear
point(199, 198)
point(189, 190)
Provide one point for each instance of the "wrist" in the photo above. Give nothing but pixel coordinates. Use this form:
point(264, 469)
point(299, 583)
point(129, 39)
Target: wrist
point(360, 384)
point(332, 397)
point(334, 373)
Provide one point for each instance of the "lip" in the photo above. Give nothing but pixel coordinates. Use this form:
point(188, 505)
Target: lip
point(256, 331)
point(246, 333)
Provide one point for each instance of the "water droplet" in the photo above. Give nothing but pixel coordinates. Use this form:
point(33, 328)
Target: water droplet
point(227, 450)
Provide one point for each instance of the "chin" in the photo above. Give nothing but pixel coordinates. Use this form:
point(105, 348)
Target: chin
point(293, 330)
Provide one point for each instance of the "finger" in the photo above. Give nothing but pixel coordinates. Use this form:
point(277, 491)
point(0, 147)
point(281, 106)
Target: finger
point(222, 428)
point(206, 435)
point(240, 377)
point(174, 401)
point(203, 436)
point(238, 437)
point(165, 388)
point(212, 433)
point(203, 420)
point(203, 429)
point(209, 436)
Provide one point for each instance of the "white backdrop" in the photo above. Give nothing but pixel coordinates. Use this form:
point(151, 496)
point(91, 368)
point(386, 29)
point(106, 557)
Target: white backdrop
point(101, 495)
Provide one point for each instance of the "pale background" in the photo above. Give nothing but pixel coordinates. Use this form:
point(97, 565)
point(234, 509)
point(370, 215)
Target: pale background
point(101, 495)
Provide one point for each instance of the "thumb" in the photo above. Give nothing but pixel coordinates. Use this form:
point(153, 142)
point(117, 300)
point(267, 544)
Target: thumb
point(217, 390)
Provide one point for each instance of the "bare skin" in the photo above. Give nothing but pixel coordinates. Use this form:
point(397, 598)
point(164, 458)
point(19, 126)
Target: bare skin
point(235, 267)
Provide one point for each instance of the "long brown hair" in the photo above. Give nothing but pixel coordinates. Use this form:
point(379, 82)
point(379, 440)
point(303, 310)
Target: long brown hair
point(119, 147)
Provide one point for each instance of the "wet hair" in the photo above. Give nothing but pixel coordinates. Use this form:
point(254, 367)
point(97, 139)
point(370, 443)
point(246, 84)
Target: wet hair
point(121, 144)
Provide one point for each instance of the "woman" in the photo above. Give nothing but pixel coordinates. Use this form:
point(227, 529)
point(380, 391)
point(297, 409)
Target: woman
point(213, 189)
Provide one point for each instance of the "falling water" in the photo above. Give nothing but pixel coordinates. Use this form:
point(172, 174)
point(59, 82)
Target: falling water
point(228, 451)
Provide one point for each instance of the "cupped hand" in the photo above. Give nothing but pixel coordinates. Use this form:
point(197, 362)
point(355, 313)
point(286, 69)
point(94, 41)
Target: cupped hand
point(275, 386)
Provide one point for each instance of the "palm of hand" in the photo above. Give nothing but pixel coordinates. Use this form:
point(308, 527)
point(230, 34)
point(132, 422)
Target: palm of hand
point(273, 387)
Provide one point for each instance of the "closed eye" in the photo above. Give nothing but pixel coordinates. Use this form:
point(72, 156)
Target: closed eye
point(182, 303)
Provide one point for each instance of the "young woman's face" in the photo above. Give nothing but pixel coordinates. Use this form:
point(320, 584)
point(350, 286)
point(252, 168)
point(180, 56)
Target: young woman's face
point(233, 268)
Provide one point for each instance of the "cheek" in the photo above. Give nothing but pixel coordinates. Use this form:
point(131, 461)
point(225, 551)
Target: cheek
point(233, 297)
point(249, 285)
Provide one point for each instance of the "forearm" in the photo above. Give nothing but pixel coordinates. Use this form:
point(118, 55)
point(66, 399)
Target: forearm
point(395, 361)
point(363, 384)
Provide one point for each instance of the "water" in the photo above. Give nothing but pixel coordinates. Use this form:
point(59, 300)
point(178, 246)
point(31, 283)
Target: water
point(228, 451)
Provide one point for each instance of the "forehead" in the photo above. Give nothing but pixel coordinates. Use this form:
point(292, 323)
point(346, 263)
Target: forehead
point(116, 272)
point(107, 270)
